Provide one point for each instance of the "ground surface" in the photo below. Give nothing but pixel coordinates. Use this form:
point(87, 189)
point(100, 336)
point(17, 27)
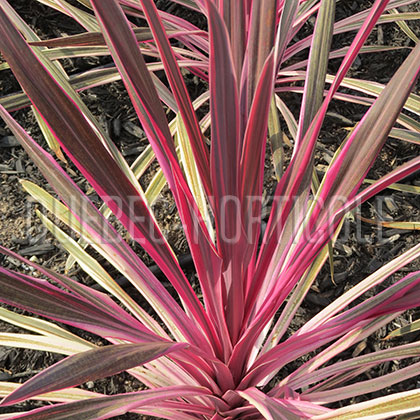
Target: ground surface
point(361, 254)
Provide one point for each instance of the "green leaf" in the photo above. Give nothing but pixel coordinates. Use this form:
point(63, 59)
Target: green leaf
point(407, 329)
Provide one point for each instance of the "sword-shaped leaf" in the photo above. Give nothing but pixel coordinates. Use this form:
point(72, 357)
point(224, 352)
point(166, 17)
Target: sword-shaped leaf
point(103, 317)
point(43, 343)
point(407, 329)
point(317, 67)
point(89, 366)
point(131, 65)
point(67, 395)
point(86, 220)
point(378, 408)
point(180, 93)
point(281, 409)
point(106, 407)
point(39, 326)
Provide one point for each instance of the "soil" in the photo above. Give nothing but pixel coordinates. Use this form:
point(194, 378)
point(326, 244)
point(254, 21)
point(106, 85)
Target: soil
point(361, 249)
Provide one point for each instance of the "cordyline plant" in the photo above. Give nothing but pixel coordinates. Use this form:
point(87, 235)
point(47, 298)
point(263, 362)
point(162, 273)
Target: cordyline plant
point(217, 351)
